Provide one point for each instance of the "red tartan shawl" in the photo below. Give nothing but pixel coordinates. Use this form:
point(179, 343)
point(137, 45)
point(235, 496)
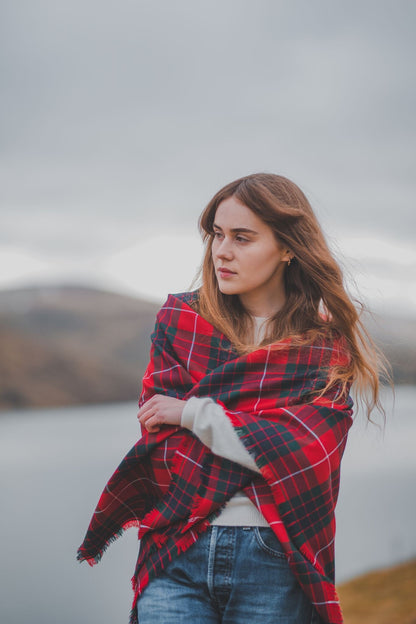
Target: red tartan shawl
point(171, 486)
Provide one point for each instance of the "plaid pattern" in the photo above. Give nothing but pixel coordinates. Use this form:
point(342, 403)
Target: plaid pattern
point(171, 486)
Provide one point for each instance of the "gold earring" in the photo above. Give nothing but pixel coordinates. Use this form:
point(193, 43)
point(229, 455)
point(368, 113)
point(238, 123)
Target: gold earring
point(289, 261)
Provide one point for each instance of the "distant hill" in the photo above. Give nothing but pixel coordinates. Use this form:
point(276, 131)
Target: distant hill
point(396, 336)
point(74, 345)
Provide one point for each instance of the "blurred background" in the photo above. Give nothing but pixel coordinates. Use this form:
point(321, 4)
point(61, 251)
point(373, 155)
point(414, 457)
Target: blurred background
point(119, 121)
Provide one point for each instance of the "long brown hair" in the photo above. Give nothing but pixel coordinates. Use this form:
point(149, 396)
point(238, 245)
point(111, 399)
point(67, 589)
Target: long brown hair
point(316, 304)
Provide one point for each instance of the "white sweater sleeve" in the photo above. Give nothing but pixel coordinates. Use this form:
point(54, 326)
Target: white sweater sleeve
point(207, 420)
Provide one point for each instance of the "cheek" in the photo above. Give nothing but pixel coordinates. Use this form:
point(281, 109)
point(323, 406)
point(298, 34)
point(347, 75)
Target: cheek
point(264, 260)
point(213, 247)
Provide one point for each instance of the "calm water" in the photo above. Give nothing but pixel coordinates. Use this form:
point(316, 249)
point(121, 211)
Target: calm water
point(54, 464)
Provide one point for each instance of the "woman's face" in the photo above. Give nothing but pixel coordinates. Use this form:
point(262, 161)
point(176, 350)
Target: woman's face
point(248, 260)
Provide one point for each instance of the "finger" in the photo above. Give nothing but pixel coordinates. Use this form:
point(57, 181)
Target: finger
point(151, 426)
point(146, 416)
point(146, 410)
point(149, 405)
point(150, 429)
point(152, 419)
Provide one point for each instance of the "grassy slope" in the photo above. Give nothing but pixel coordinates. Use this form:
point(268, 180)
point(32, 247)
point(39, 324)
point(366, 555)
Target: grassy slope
point(382, 597)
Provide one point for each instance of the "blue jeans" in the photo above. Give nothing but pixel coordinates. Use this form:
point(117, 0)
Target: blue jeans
point(231, 575)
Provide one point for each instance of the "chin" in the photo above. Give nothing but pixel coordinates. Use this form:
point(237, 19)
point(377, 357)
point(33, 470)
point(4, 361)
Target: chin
point(228, 290)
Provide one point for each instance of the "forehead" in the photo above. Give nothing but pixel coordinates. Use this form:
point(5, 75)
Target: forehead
point(232, 214)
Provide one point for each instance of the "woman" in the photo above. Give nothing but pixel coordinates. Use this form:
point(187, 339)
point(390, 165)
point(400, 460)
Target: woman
point(245, 413)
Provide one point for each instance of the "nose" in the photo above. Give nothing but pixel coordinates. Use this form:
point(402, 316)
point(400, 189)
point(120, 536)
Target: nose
point(224, 249)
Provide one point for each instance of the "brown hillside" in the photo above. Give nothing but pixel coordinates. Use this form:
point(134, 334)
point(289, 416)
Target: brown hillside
point(64, 346)
point(35, 375)
point(383, 597)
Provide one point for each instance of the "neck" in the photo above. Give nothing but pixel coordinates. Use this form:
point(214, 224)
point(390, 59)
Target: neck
point(263, 306)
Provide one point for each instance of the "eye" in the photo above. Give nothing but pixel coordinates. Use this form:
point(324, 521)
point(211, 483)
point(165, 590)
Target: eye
point(241, 239)
point(218, 235)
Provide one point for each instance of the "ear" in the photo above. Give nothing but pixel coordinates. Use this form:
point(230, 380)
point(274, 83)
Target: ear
point(288, 255)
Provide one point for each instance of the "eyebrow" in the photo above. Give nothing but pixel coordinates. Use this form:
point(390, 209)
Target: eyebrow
point(236, 230)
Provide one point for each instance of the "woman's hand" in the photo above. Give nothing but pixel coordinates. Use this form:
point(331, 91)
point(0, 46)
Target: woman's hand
point(160, 410)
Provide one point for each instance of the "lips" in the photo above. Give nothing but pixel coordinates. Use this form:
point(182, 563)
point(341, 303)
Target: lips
point(223, 272)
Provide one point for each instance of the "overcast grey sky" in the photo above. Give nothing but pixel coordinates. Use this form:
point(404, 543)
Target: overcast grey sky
point(121, 119)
